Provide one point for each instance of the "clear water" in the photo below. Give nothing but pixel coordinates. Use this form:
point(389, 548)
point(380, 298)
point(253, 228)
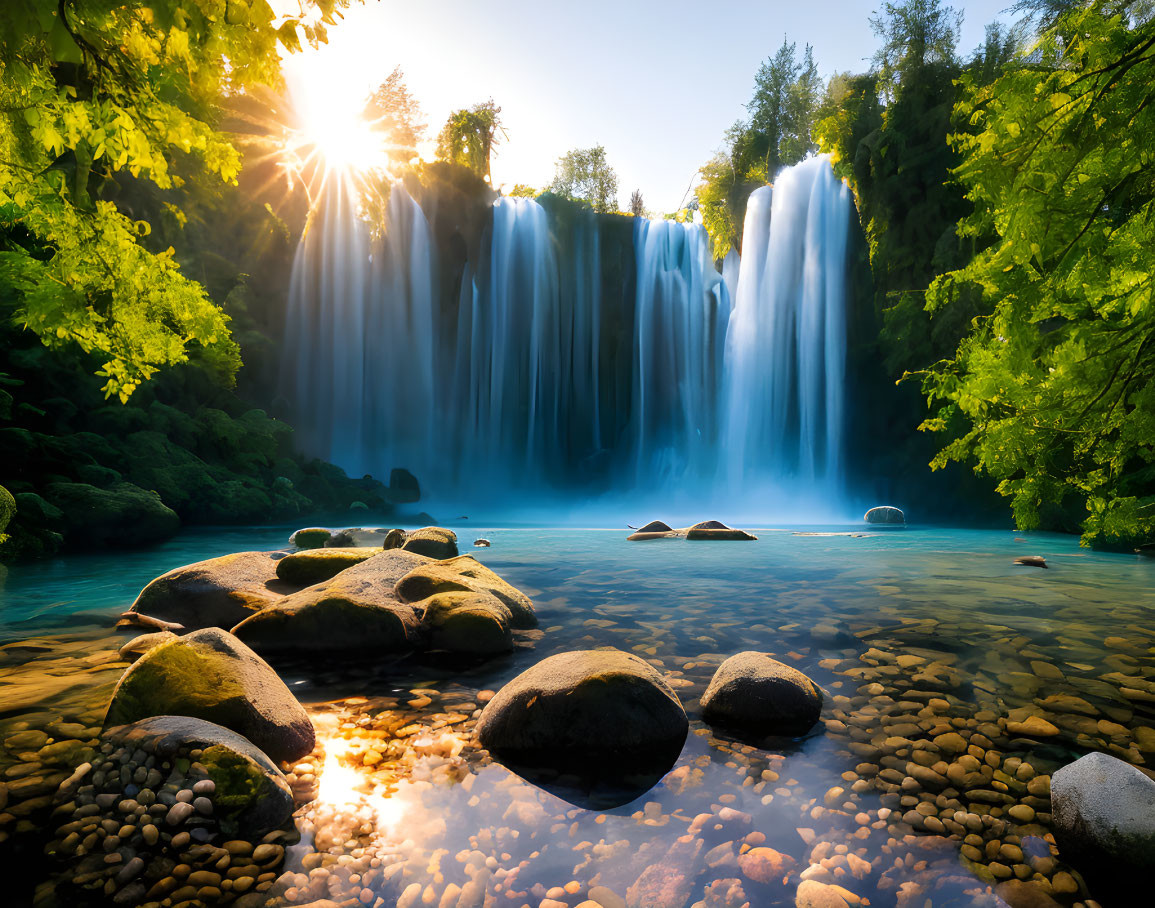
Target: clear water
point(970, 627)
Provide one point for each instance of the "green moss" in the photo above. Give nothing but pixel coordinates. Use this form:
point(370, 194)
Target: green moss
point(313, 566)
point(240, 784)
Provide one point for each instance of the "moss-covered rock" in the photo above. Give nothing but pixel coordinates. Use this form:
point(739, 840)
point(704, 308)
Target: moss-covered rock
point(122, 514)
point(7, 510)
point(465, 622)
point(466, 574)
point(433, 542)
point(317, 565)
point(219, 592)
point(211, 675)
point(310, 538)
point(356, 611)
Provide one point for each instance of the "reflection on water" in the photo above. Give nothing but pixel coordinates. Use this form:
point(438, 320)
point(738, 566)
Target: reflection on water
point(955, 683)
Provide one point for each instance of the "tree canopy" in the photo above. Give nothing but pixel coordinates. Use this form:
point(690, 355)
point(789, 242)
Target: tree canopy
point(584, 175)
point(469, 137)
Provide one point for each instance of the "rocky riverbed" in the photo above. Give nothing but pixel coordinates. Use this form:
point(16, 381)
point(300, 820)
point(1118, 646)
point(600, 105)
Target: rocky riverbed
point(954, 686)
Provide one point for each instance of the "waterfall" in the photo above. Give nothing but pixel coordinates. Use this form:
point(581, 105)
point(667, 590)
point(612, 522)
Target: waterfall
point(569, 359)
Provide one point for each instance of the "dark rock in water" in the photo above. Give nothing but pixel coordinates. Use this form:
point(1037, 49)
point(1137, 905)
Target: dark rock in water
point(403, 487)
point(885, 516)
point(466, 622)
point(712, 529)
point(211, 675)
point(250, 796)
point(481, 543)
point(433, 542)
point(1104, 811)
point(318, 565)
point(466, 574)
point(753, 694)
point(595, 712)
point(219, 592)
point(121, 515)
point(356, 611)
point(1032, 560)
point(394, 539)
point(655, 529)
point(343, 539)
point(310, 538)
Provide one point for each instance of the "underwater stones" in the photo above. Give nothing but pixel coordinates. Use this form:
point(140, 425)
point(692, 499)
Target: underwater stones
point(655, 529)
point(248, 793)
point(467, 622)
point(713, 529)
point(211, 675)
point(885, 515)
point(604, 709)
point(433, 542)
point(122, 515)
point(356, 610)
point(310, 538)
point(219, 592)
point(1031, 561)
point(754, 694)
point(765, 865)
point(1104, 809)
point(466, 574)
point(1032, 727)
point(319, 564)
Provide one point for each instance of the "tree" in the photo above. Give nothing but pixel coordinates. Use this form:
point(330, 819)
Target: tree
point(522, 191)
point(914, 35)
point(585, 175)
point(786, 94)
point(469, 137)
point(94, 95)
point(637, 204)
point(394, 111)
point(1052, 392)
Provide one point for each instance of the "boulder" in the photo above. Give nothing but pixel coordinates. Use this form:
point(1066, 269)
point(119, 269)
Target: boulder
point(138, 646)
point(403, 487)
point(310, 538)
point(753, 694)
point(211, 675)
point(465, 622)
point(885, 516)
point(713, 529)
point(357, 610)
point(219, 592)
point(251, 797)
point(121, 515)
point(394, 539)
point(466, 574)
point(1104, 811)
point(655, 529)
point(601, 710)
point(317, 565)
point(7, 509)
point(433, 542)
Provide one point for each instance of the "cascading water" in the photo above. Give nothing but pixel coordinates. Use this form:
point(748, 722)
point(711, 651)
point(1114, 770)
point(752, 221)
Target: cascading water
point(576, 360)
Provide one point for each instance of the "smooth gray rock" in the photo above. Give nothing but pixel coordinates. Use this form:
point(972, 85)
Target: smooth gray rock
point(1104, 809)
point(753, 693)
point(885, 516)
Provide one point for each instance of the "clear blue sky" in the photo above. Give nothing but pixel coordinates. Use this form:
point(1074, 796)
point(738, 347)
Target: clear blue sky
point(655, 82)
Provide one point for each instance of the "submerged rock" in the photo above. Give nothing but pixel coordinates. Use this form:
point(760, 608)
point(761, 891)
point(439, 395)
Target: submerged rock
point(598, 710)
point(467, 622)
point(1104, 810)
point(356, 610)
point(317, 565)
point(211, 675)
point(219, 592)
point(249, 795)
point(433, 542)
point(1032, 561)
point(754, 694)
point(713, 529)
point(310, 538)
point(885, 515)
point(655, 529)
point(466, 574)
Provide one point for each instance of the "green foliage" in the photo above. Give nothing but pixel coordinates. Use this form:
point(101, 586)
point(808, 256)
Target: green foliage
point(637, 204)
point(395, 112)
point(523, 191)
point(584, 175)
point(92, 93)
point(1054, 388)
point(915, 34)
point(469, 137)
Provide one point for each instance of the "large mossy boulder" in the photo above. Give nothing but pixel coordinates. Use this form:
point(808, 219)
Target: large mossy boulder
point(356, 610)
point(755, 695)
point(122, 515)
point(466, 574)
point(465, 622)
point(1104, 811)
point(220, 592)
point(318, 565)
point(310, 537)
point(433, 542)
point(211, 675)
point(595, 710)
point(7, 509)
point(250, 796)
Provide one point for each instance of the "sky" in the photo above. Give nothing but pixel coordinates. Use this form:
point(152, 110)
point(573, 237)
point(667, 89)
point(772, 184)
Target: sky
point(657, 82)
